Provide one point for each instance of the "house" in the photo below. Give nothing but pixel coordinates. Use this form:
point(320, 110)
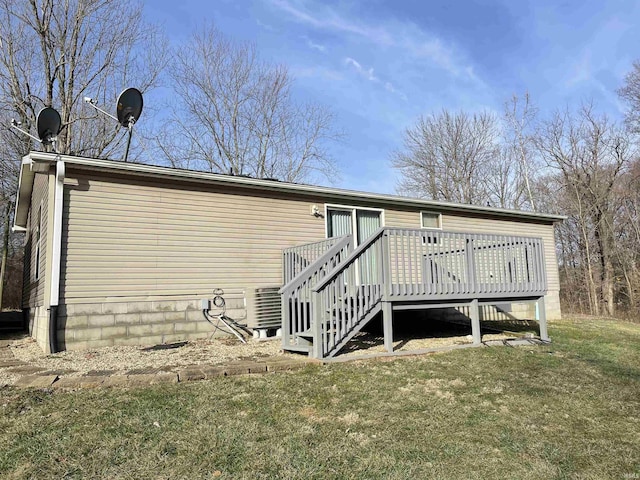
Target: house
point(124, 253)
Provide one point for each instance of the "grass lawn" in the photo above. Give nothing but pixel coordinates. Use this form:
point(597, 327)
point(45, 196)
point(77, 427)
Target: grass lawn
point(569, 410)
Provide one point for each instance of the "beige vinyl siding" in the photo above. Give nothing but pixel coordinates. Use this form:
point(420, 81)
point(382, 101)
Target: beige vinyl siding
point(133, 238)
point(137, 239)
point(33, 290)
point(402, 218)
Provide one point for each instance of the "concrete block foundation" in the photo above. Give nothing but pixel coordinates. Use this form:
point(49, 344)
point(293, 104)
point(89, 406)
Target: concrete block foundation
point(94, 325)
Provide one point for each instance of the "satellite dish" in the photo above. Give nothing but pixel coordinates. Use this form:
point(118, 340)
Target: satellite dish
point(128, 110)
point(48, 124)
point(129, 107)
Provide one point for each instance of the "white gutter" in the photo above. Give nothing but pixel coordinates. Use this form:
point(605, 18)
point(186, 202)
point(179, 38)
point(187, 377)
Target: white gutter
point(155, 171)
point(57, 234)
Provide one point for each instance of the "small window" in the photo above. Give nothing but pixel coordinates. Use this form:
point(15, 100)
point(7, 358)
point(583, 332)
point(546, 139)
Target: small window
point(431, 220)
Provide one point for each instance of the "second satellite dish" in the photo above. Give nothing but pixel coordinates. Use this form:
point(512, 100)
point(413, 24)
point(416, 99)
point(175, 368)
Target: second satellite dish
point(129, 107)
point(128, 110)
point(48, 124)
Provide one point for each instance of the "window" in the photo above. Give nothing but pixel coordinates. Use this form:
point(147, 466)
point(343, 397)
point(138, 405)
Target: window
point(37, 241)
point(346, 220)
point(431, 220)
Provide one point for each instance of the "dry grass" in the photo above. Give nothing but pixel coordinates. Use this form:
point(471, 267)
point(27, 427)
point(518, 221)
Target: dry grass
point(570, 410)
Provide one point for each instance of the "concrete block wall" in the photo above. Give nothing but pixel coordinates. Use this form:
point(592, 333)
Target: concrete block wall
point(489, 313)
point(39, 326)
point(552, 305)
point(518, 310)
point(93, 325)
point(508, 311)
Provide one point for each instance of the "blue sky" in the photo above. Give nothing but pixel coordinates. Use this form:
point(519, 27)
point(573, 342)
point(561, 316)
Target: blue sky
point(379, 65)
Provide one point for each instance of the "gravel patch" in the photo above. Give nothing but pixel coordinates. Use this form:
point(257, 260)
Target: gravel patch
point(120, 360)
point(7, 378)
point(366, 343)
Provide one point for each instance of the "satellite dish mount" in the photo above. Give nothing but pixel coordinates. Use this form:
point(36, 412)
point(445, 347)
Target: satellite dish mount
point(128, 110)
point(48, 124)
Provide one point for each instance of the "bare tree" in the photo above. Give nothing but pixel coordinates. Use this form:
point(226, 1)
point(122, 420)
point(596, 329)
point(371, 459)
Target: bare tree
point(53, 53)
point(520, 117)
point(630, 94)
point(446, 156)
point(502, 181)
point(236, 114)
point(589, 152)
point(627, 232)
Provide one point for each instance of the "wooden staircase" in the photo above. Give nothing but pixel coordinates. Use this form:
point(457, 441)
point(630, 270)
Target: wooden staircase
point(333, 298)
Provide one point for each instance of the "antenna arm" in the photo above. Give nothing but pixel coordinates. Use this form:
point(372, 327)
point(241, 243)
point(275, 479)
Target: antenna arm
point(102, 111)
point(26, 133)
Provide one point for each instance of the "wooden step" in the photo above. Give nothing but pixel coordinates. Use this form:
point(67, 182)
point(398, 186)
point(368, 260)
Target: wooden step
point(305, 334)
point(298, 348)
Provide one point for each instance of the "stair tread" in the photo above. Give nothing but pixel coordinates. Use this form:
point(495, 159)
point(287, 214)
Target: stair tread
point(298, 348)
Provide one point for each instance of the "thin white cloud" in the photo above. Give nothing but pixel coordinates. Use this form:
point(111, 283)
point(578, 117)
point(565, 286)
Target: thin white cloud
point(369, 75)
point(266, 26)
point(580, 71)
point(314, 46)
point(408, 37)
point(330, 20)
point(390, 88)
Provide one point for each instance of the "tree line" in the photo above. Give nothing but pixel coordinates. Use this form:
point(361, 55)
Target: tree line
point(576, 162)
point(231, 112)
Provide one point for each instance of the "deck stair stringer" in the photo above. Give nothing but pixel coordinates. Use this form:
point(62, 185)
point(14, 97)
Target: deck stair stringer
point(347, 336)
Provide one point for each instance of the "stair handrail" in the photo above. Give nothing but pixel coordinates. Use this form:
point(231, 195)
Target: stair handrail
point(353, 256)
point(312, 268)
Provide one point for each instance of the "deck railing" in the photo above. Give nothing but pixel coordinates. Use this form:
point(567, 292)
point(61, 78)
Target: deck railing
point(431, 264)
point(296, 294)
point(296, 259)
point(339, 292)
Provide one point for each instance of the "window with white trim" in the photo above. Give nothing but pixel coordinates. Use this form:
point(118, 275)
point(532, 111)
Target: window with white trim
point(431, 220)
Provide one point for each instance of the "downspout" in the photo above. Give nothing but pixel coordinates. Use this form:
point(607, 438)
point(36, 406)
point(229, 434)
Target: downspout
point(55, 257)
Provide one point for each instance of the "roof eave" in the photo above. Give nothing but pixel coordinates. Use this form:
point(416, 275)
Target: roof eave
point(205, 177)
point(23, 197)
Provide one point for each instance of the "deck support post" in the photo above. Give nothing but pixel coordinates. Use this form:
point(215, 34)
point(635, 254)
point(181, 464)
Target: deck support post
point(474, 313)
point(541, 315)
point(387, 325)
point(284, 309)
